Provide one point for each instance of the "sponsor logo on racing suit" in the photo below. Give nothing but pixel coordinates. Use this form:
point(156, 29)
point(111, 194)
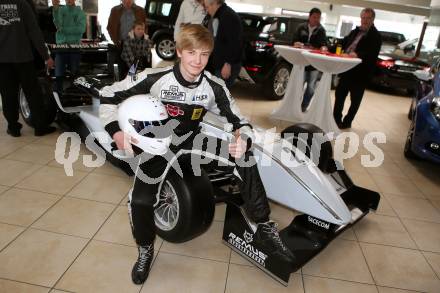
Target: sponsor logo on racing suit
point(246, 248)
point(174, 111)
point(318, 223)
point(196, 114)
point(199, 98)
point(173, 94)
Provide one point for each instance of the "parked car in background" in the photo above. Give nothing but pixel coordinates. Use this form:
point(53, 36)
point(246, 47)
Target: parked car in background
point(390, 40)
point(395, 68)
point(161, 17)
point(423, 139)
point(262, 64)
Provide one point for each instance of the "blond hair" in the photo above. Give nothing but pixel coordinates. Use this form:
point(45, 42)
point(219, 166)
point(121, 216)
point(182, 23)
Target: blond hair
point(193, 36)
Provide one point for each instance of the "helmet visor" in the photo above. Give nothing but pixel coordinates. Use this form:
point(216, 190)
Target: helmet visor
point(152, 129)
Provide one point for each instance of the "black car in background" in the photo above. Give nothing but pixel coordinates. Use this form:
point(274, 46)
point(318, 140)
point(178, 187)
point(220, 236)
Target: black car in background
point(397, 62)
point(262, 64)
point(161, 17)
point(390, 40)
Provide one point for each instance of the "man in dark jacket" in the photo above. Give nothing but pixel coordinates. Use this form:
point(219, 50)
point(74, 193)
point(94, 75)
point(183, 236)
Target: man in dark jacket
point(310, 34)
point(363, 42)
point(19, 33)
point(225, 25)
point(120, 22)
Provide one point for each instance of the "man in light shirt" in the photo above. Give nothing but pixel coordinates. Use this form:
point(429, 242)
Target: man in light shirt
point(191, 11)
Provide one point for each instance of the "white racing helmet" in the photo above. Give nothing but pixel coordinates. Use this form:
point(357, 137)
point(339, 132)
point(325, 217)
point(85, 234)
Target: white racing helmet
point(141, 117)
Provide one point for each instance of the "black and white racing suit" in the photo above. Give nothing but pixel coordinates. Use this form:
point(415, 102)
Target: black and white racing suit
point(188, 103)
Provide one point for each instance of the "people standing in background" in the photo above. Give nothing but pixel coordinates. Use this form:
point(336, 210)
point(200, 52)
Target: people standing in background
point(363, 42)
point(19, 33)
point(48, 28)
point(310, 34)
point(227, 30)
point(32, 5)
point(70, 22)
point(120, 22)
point(137, 48)
point(191, 11)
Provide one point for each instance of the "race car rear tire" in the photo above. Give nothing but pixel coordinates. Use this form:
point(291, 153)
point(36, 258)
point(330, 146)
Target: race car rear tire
point(49, 105)
point(185, 208)
point(316, 147)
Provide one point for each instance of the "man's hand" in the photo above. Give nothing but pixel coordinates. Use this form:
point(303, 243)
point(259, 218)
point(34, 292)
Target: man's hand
point(226, 71)
point(353, 54)
point(298, 45)
point(237, 148)
point(123, 141)
point(50, 63)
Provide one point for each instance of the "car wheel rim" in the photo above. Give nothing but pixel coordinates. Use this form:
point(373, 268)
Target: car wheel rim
point(167, 48)
point(280, 81)
point(24, 106)
point(166, 214)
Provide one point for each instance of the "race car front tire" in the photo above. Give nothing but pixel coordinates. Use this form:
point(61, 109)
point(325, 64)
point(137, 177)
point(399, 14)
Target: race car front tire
point(49, 107)
point(186, 206)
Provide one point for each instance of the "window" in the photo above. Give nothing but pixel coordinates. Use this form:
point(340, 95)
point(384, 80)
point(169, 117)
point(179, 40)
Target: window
point(252, 23)
point(270, 28)
point(152, 8)
point(165, 9)
point(283, 28)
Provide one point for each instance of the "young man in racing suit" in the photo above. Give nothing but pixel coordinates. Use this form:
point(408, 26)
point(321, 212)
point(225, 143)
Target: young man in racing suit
point(188, 92)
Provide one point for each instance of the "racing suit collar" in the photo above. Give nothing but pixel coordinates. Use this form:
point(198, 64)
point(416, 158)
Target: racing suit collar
point(179, 77)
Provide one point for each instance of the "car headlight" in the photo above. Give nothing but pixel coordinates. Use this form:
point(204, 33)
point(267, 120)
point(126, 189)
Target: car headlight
point(435, 107)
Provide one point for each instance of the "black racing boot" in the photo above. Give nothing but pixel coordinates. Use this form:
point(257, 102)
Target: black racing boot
point(267, 234)
point(141, 268)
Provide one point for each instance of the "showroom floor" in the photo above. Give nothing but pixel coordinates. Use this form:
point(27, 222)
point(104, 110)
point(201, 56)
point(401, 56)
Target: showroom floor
point(72, 233)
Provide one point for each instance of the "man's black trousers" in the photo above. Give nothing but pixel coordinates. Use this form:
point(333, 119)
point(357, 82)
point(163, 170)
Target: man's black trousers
point(356, 88)
point(12, 75)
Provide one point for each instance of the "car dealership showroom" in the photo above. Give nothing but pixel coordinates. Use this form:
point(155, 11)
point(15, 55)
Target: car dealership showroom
point(220, 146)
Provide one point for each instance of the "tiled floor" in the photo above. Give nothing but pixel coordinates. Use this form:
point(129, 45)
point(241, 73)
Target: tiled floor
point(60, 233)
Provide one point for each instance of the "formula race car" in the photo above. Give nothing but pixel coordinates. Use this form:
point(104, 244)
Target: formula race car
point(297, 169)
